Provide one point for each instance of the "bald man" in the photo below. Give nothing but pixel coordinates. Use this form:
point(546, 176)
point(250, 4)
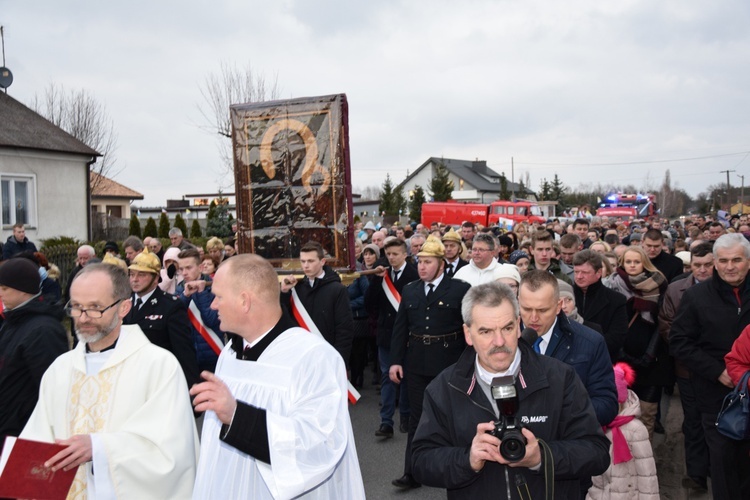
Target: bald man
point(276, 409)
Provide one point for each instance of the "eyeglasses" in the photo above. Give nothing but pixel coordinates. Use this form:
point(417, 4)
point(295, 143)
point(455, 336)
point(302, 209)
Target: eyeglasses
point(480, 250)
point(77, 312)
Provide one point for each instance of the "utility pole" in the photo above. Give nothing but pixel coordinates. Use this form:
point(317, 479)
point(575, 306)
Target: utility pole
point(742, 194)
point(729, 203)
point(513, 177)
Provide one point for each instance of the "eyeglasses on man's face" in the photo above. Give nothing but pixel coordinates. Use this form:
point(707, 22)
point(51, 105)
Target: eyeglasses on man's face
point(77, 311)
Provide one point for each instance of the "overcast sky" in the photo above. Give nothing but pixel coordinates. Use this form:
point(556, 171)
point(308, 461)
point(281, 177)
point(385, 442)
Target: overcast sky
point(593, 91)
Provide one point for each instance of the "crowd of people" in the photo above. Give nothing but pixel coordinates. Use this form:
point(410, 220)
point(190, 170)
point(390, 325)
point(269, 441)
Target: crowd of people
point(616, 299)
point(517, 360)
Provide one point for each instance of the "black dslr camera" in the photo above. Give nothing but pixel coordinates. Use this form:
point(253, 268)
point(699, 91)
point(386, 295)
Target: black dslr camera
point(507, 429)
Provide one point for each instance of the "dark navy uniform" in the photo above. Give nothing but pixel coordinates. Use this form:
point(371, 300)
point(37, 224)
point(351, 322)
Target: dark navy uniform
point(427, 338)
point(164, 320)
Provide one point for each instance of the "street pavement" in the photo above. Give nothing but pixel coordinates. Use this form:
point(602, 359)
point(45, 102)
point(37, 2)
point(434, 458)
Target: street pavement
point(382, 460)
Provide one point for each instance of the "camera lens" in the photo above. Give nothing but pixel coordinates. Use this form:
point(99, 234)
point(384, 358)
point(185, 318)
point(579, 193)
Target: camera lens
point(513, 446)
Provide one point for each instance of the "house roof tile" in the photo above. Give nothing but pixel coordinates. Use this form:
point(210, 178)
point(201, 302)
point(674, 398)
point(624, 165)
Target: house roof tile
point(23, 128)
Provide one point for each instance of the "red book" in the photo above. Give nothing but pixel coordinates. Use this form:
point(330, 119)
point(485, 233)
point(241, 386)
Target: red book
point(23, 474)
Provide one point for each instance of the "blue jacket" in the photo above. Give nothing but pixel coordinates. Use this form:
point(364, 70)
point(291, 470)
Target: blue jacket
point(206, 357)
point(586, 351)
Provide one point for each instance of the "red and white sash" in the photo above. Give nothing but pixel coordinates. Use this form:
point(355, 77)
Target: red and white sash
point(213, 340)
point(305, 321)
point(390, 291)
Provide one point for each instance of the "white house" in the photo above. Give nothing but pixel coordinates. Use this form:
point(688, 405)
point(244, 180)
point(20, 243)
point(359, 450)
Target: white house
point(111, 198)
point(44, 175)
point(473, 180)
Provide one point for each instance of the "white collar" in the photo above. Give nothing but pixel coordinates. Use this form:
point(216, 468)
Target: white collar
point(434, 282)
point(487, 376)
point(144, 298)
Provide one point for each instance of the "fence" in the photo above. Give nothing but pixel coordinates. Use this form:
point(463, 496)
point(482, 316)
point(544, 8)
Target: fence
point(64, 257)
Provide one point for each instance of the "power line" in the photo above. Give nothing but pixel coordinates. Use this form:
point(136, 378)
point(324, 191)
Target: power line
point(646, 162)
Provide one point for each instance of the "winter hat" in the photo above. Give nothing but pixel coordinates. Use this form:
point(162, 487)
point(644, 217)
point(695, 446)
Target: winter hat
point(21, 274)
point(624, 378)
point(171, 254)
point(684, 256)
point(506, 271)
point(517, 255)
point(373, 248)
point(505, 240)
point(111, 245)
point(565, 289)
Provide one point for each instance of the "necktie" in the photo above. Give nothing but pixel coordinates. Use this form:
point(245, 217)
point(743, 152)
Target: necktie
point(449, 270)
point(395, 276)
point(312, 282)
point(138, 303)
point(431, 292)
point(537, 343)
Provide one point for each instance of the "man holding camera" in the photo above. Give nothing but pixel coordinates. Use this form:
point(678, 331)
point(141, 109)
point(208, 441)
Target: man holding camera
point(468, 439)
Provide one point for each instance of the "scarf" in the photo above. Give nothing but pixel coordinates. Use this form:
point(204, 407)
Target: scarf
point(645, 288)
point(574, 316)
point(620, 449)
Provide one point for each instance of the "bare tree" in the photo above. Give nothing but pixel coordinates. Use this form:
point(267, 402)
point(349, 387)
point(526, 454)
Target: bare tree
point(81, 115)
point(232, 85)
point(369, 192)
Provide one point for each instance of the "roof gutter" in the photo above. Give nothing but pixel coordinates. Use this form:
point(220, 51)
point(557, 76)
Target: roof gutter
point(88, 197)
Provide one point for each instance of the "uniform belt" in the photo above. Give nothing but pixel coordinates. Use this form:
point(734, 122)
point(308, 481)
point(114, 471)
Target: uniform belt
point(434, 339)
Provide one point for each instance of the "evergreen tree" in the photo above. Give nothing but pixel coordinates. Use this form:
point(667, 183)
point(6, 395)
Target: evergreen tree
point(135, 226)
point(521, 193)
point(150, 229)
point(557, 189)
point(219, 224)
point(415, 205)
point(441, 186)
point(399, 201)
point(195, 229)
point(545, 192)
point(164, 225)
point(504, 193)
point(179, 222)
point(387, 202)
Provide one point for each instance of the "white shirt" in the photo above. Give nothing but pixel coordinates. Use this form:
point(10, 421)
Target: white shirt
point(545, 338)
point(434, 282)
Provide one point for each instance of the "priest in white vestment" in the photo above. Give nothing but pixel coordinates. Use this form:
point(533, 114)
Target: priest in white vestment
point(277, 422)
point(118, 402)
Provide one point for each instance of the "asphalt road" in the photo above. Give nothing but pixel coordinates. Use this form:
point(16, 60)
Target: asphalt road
point(381, 460)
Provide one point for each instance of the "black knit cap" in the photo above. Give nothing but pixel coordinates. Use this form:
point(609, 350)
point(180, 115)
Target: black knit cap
point(111, 245)
point(20, 274)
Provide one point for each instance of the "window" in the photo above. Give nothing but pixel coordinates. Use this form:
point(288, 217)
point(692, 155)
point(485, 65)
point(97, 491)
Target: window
point(17, 197)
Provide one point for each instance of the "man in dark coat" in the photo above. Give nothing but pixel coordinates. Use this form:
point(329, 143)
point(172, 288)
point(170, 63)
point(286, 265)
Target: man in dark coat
point(696, 451)
point(32, 336)
point(669, 265)
point(711, 316)
point(582, 348)
point(429, 322)
point(597, 303)
point(381, 302)
point(17, 243)
point(324, 298)
point(453, 260)
point(162, 317)
point(452, 446)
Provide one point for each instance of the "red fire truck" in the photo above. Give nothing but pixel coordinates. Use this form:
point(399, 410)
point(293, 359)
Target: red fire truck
point(501, 213)
point(628, 206)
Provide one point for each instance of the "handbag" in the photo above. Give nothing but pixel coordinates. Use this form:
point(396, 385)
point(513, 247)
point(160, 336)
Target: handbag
point(733, 420)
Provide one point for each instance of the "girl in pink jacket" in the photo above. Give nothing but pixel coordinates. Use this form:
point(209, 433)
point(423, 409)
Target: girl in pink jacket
point(632, 472)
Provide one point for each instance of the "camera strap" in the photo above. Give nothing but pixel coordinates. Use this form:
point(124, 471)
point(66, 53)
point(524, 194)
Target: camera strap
point(549, 470)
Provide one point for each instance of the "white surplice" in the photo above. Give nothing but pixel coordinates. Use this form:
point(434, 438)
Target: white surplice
point(300, 380)
point(138, 411)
